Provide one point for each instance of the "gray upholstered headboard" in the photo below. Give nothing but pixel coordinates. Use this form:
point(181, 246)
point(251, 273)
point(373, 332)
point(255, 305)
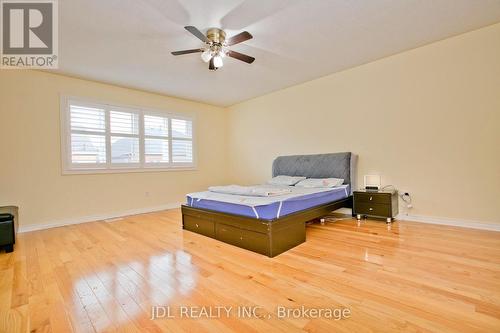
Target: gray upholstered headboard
point(334, 165)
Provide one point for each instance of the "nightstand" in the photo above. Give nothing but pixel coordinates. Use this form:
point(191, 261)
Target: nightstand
point(382, 204)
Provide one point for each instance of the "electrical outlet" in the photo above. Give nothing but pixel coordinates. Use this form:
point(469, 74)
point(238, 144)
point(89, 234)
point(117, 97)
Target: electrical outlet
point(406, 198)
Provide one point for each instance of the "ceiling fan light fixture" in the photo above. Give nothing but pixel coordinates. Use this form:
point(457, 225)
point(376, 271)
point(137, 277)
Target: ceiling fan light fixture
point(217, 46)
point(206, 55)
point(218, 61)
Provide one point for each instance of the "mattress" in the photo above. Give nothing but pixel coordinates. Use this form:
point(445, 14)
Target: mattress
point(267, 208)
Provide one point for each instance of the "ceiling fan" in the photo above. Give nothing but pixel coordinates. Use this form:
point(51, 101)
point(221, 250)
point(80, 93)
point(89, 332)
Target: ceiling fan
point(217, 46)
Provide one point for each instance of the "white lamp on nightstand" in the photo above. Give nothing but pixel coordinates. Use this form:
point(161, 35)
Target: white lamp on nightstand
point(372, 182)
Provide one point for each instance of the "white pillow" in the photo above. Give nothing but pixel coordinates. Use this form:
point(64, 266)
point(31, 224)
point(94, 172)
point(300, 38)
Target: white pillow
point(285, 180)
point(320, 182)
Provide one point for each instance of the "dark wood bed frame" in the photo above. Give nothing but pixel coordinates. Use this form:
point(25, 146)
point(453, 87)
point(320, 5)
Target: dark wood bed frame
point(275, 236)
point(267, 237)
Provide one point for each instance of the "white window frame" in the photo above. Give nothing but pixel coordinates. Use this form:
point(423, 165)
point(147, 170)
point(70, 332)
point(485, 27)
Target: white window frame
point(70, 168)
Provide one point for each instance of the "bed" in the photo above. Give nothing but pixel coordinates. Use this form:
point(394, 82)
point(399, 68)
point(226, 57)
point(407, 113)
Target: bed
point(273, 225)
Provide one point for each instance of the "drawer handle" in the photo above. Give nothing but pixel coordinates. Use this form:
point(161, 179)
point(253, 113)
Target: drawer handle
point(371, 198)
point(241, 237)
point(371, 209)
point(197, 226)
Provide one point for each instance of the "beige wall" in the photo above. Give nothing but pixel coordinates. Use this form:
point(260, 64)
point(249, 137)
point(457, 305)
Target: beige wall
point(427, 120)
point(30, 166)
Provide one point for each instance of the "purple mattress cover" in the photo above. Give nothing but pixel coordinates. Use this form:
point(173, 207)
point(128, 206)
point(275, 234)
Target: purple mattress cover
point(272, 211)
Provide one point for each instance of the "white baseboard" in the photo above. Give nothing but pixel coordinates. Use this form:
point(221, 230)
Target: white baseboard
point(401, 217)
point(439, 220)
point(92, 218)
point(450, 221)
point(347, 211)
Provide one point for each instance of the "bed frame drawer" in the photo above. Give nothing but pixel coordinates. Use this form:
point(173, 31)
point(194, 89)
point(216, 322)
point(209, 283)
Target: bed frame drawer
point(374, 198)
point(374, 209)
point(246, 239)
point(267, 237)
point(200, 226)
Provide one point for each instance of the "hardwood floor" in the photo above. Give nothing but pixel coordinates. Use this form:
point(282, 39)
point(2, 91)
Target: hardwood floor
point(105, 276)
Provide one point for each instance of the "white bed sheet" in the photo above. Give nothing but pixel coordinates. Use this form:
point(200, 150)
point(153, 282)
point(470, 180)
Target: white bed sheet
point(259, 201)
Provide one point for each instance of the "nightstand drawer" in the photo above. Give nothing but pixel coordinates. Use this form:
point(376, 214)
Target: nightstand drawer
point(372, 209)
point(373, 198)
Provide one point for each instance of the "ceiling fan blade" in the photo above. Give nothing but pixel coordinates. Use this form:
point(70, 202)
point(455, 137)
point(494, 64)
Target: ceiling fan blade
point(240, 56)
point(176, 53)
point(211, 65)
point(241, 37)
point(197, 33)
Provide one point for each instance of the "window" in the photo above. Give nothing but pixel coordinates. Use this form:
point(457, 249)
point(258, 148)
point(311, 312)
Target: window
point(156, 141)
point(106, 138)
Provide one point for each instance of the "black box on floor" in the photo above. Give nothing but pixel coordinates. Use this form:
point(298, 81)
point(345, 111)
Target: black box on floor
point(7, 232)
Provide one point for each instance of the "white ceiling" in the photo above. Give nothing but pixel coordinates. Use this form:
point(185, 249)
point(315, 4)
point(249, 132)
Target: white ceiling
point(128, 42)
